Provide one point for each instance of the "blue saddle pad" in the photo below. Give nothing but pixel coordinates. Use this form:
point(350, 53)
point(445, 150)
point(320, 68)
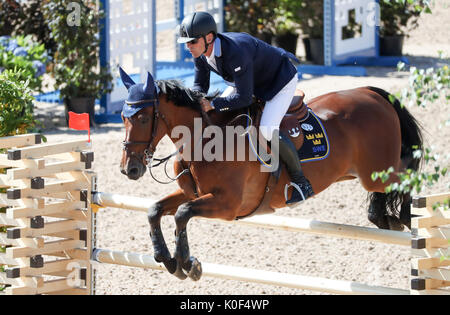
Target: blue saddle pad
point(316, 145)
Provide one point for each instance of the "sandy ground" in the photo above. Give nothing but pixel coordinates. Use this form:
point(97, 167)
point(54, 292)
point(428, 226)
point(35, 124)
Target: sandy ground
point(345, 202)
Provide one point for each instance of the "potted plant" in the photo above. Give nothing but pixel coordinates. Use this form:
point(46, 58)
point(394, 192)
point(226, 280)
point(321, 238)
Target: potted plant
point(286, 24)
point(252, 17)
point(309, 15)
point(268, 20)
point(398, 17)
point(77, 72)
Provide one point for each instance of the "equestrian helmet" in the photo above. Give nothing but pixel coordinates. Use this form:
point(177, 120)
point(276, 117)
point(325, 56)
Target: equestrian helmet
point(196, 25)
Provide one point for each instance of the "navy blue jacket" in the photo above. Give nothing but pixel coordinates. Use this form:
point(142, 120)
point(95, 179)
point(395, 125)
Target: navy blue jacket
point(255, 67)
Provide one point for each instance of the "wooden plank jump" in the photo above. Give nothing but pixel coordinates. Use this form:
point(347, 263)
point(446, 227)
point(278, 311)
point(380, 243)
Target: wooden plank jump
point(45, 221)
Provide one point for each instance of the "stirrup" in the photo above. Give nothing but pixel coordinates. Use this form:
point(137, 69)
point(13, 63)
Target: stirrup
point(297, 187)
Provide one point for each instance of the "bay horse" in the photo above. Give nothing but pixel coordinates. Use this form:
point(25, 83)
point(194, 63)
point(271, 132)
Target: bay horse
point(367, 133)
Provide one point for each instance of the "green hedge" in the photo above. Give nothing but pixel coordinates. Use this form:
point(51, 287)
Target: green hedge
point(22, 52)
point(16, 104)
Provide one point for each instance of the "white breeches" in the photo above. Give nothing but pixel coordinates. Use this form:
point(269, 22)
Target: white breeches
point(275, 108)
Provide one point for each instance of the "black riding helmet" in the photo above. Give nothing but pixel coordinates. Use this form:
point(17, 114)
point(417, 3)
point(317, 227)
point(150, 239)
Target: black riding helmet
point(196, 25)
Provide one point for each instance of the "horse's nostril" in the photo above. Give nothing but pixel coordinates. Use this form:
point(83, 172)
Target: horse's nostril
point(134, 169)
point(133, 172)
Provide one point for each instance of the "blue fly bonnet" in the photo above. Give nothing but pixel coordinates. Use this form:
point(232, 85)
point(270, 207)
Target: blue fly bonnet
point(139, 95)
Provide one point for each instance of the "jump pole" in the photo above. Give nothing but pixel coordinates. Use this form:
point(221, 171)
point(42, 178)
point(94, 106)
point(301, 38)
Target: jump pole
point(251, 275)
point(273, 222)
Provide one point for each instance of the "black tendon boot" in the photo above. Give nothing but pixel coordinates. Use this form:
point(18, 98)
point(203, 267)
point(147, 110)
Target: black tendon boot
point(288, 154)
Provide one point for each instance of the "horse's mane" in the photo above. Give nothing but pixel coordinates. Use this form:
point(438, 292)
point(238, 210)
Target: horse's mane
point(180, 95)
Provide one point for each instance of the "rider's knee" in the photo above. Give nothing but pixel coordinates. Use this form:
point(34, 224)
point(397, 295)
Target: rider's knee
point(267, 131)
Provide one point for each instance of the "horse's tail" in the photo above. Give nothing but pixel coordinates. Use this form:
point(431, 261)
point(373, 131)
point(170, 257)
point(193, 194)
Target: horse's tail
point(412, 140)
point(410, 130)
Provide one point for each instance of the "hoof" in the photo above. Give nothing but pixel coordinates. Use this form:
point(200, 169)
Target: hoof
point(195, 273)
point(387, 223)
point(395, 224)
point(380, 221)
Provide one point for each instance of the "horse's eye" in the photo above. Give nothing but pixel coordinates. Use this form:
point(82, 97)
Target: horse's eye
point(144, 119)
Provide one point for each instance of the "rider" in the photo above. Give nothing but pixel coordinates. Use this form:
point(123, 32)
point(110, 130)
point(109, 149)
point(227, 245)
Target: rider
point(250, 67)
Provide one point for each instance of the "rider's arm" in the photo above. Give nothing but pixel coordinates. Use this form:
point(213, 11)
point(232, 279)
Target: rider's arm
point(243, 80)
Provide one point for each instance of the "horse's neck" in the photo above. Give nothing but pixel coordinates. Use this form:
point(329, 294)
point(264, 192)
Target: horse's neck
point(185, 125)
point(222, 119)
point(188, 126)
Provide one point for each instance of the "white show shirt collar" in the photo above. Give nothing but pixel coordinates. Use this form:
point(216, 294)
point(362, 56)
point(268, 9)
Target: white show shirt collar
point(217, 52)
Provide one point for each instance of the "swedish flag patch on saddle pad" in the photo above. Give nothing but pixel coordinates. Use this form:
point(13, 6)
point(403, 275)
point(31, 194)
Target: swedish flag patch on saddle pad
point(316, 145)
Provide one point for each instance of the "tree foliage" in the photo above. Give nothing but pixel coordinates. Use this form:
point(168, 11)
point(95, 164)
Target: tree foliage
point(26, 18)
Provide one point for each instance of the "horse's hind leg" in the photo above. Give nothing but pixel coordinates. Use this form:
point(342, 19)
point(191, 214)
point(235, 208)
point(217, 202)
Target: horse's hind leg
point(405, 211)
point(166, 206)
point(377, 209)
point(378, 213)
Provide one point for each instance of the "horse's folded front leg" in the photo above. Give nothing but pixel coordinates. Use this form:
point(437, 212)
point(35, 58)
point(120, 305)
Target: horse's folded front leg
point(184, 261)
point(161, 252)
point(156, 211)
point(208, 206)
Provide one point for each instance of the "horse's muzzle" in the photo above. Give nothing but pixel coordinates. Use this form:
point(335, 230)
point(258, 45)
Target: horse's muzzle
point(134, 169)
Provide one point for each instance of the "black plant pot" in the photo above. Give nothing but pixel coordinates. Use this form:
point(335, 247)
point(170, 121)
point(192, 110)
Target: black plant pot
point(317, 50)
point(80, 105)
point(307, 45)
point(391, 45)
point(287, 41)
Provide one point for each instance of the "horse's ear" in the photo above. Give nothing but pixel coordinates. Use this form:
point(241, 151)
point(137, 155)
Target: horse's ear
point(149, 86)
point(127, 81)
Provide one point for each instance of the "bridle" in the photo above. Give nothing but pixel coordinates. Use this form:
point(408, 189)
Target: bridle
point(147, 157)
point(151, 148)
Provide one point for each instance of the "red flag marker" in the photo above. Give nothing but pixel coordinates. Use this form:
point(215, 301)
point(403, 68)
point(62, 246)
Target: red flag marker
point(80, 122)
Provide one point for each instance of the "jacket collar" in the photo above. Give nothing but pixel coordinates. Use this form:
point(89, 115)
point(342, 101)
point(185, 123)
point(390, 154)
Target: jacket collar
point(217, 47)
point(217, 51)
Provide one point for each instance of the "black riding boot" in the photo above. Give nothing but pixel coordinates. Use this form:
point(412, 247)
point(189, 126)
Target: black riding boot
point(302, 186)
